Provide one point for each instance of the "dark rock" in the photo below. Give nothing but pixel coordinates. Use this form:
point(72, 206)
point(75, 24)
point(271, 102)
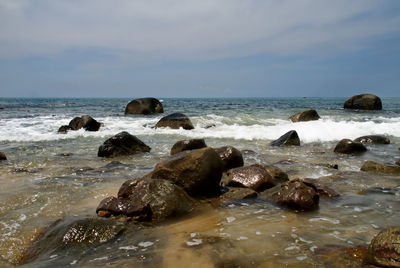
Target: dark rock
point(3, 156)
point(384, 250)
point(85, 121)
point(373, 139)
point(289, 138)
point(304, 116)
point(364, 102)
point(90, 124)
point(293, 194)
point(210, 126)
point(398, 162)
point(237, 193)
point(347, 146)
point(321, 189)
point(122, 144)
point(76, 123)
point(198, 172)
point(175, 121)
point(114, 206)
point(144, 106)
point(64, 129)
point(277, 174)
point(186, 145)
point(230, 156)
point(380, 168)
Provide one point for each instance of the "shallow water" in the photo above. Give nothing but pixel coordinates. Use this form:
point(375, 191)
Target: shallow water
point(50, 176)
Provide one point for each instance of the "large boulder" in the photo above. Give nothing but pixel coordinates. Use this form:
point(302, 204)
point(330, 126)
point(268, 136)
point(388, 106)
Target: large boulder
point(198, 172)
point(87, 122)
point(364, 102)
point(373, 139)
point(122, 144)
point(304, 116)
point(3, 156)
point(147, 199)
point(293, 194)
point(346, 146)
point(175, 121)
point(254, 177)
point(144, 106)
point(230, 156)
point(289, 138)
point(380, 168)
point(186, 145)
point(384, 250)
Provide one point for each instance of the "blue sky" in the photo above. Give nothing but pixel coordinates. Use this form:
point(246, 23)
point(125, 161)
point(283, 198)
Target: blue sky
point(209, 48)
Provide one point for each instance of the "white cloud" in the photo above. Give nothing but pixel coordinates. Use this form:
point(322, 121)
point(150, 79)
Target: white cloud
point(191, 29)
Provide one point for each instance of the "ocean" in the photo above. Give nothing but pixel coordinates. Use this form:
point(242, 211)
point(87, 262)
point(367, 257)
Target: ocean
point(51, 176)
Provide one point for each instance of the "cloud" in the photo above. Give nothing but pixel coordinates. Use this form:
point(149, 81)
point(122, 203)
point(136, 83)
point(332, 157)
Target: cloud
point(191, 29)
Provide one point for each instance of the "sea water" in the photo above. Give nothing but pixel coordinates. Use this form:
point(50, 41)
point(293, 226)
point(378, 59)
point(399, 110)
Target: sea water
point(51, 176)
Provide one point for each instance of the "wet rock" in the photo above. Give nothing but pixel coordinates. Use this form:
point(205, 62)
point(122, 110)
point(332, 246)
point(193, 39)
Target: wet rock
point(380, 168)
point(289, 138)
point(85, 121)
point(373, 139)
point(364, 102)
point(122, 144)
point(144, 106)
point(304, 116)
point(175, 121)
point(114, 206)
point(3, 156)
point(347, 146)
point(64, 129)
point(293, 194)
point(323, 191)
point(230, 156)
point(237, 193)
point(384, 249)
point(198, 171)
point(186, 145)
point(380, 190)
point(338, 257)
point(277, 174)
point(90, 124)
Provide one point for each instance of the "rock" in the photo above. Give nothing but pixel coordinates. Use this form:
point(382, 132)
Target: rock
point(289, 138)
point(347, 146)
point(198, 171)
point(144, 106)
point(364, 102)
point(398, 162)
point(148, 199)
point(76, 123)
point(380, 168)
point(237, 193)
point(186, 145)
point(175, 121)
point(277, 174)
point(122, 144)
point(384, 250)
point(85, 121)
point(64, 129)
point(373, 139)
point(230, 156)
point(293, 194)
point(3, 156)
point(321, 189)
point(90, 124)
point(338, 257)
point(304, 116)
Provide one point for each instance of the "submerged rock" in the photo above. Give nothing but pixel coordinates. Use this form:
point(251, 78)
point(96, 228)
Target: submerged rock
point(238, 193)
point(198, 171)
point(323, 191)
point(230, 156)
point(186, 145)
point(3, 156)
point(64, 129)
point(364, 102)
point(347, 146)
point(175, 121)
point(380, 168)
point(373, 139)
point(304, 116)
point(144, 106)
point(289, 138)
point(338, 257)
point(277, 174)
point(384, 250)
point(122, 144)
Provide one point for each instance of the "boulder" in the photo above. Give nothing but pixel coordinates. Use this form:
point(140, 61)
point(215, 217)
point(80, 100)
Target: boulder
point(76, 123)
point(198, 171)
point(64, 129)
point(3, 156)
point(175, 121)
point(186, 145)
point(380, 168)
point(364, 102)
point(87, 122)
point(293, 194)
point(304, 116)
point(373, 139)
point(144, 106)
point(347, 146)
point(384, 250)
point(230, 156)
point(147, 199)
point(122, 144)
point(289, 138)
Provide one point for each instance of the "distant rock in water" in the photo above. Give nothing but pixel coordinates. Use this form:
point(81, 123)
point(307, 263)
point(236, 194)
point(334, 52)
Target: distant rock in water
point(186, 145)
point(346, 146)
point(122, 144)
point(373, 139)
point(230, 156)
point(363, 102)
point(175, 121)
point(87, 122)
point(380, 168)
point(2, 156)
point(398, 162)
point(384, 249)
point(144, 106)
point(289, 138)
point(304, 116)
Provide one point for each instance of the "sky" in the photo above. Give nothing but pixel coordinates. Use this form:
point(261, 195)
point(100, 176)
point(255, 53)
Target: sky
point(192, 48)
